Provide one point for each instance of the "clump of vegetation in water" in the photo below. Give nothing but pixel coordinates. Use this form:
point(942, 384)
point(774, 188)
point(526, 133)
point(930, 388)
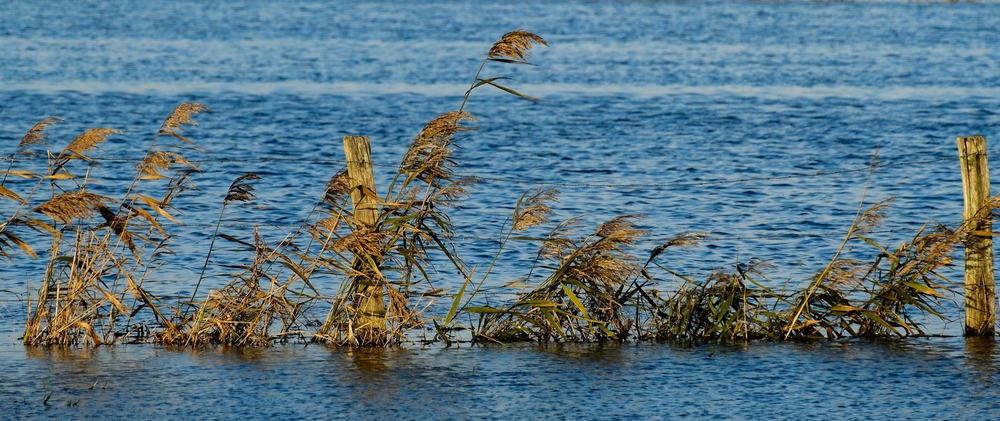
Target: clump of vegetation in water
point(593, 286)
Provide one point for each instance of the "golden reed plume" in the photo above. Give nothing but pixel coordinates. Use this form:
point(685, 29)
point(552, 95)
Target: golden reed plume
point(515, 44)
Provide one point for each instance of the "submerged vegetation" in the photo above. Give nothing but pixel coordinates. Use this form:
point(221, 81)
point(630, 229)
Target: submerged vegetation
point(376, 247)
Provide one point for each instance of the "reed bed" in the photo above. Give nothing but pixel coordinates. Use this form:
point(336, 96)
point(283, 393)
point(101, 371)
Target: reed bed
point(356, 271)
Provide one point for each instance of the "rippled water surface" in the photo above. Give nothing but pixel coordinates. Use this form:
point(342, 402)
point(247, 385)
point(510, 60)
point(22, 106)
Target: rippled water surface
point(751, 121)
point(918, 379)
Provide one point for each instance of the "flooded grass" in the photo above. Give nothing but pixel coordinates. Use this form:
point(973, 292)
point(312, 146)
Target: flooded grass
point(378, 247)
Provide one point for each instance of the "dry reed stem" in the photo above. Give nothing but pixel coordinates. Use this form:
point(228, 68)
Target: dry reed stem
point(118, 225)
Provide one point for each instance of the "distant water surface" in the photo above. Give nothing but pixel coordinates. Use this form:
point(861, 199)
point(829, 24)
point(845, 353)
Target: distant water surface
point(753, 121)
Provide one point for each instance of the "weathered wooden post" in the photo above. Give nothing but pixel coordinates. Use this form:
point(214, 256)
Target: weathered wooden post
point(980, 308)
point(369, 305)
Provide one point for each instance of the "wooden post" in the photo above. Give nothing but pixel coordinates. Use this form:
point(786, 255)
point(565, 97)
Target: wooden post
point(980, 308)
point(369, 305)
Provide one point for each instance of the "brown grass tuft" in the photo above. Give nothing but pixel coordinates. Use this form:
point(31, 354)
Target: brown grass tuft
point(182, 115)
point(428, 156)
point(684, 240)
point(66, 207)
point(90, 139)
point(240, 190)
point(515, 44)
point(157, 161)
point(533, 210)
point(337, 190)
point(36, 136)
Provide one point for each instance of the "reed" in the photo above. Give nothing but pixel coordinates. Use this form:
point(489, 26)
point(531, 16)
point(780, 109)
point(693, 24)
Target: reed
point(92, 288)
point(596, 291)
point(358, 271)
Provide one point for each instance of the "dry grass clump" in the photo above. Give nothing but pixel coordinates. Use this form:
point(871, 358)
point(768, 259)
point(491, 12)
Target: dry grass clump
point(727, 307)
point(596, 292)
point(377, 250)
point(382, 260)
point(92, 291)
point(848, 299)
point(77, 305)
point(590, 294)
point(880, 298)
point(245, 311)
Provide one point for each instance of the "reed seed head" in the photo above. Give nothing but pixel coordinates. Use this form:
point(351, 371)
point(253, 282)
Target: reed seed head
point(182, 115)
point(684, 240)
point(156, 161)
point(620, 231)
point(90, 139)
point(240, 190)
point(66, 207)
point(515, 45)
point(450, 194)
point(338, 189)
point(37, 135)
point(533, 209)
point(873, 217)
point(444, 126)
point(428, 155)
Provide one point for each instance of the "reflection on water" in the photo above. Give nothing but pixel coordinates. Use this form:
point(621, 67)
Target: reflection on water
point(982, 359)
point(918, 378)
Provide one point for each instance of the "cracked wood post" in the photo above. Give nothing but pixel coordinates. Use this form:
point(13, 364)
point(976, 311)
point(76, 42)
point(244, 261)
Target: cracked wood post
point(369, 306)
point(980, 307)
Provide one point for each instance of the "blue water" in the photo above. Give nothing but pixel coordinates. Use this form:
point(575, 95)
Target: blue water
point(918, 379)
point(704, 116)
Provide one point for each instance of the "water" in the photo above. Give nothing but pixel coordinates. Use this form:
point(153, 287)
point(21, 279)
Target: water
point(683, 99)
point(917, 379)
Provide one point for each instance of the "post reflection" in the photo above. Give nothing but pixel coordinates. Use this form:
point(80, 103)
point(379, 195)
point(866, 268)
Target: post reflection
point(368, 360)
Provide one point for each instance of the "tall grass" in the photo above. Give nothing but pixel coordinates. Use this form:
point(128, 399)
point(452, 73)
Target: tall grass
point(92, 287)
point(348, 278)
